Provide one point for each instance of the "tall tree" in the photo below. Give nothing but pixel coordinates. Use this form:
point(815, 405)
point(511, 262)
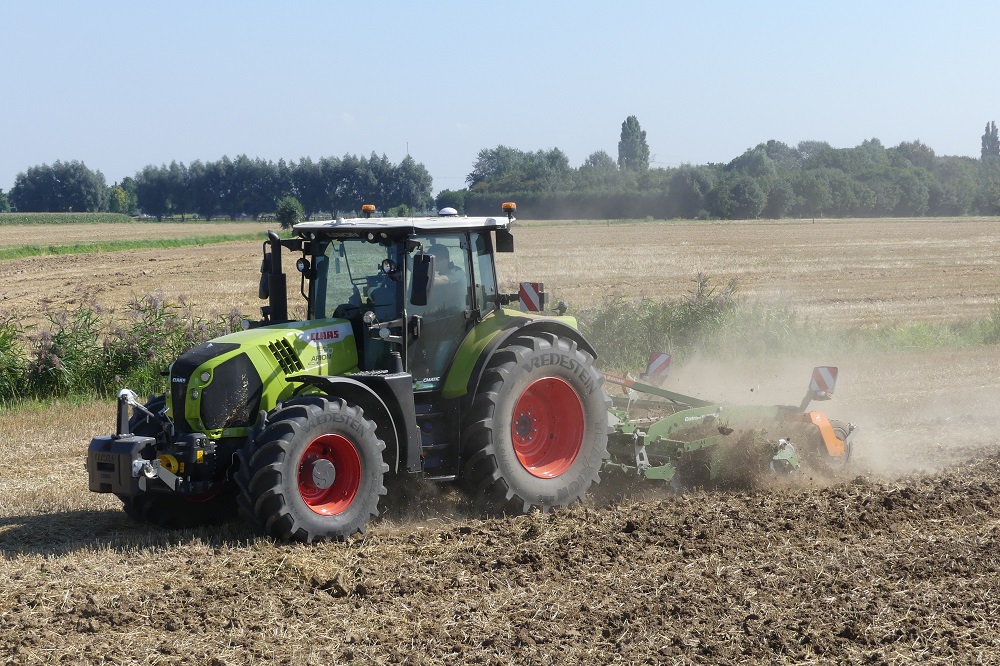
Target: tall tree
point(310, 185)
point(132, 199)
point(203, 181)
point(780, 199)
point(599, 171)
point(495, 165)
point(4, 203)
point(601, 162)
point(117, 199)
point(413, 184)
point(151, 185)
point(633, 151)
point(991, 142)
point(62, 187)
point(289, 212)
point(451, 199)
point(812, 194)
point(178, 189)
point(688, 187)
point(918, 154)
point(736, 196)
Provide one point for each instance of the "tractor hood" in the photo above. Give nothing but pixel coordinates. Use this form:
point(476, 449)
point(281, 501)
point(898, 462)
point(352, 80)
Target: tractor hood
point(220, 387)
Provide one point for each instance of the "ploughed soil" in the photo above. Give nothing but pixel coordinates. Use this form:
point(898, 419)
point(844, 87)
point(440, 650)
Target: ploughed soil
point(861, 571)
point(882, 562)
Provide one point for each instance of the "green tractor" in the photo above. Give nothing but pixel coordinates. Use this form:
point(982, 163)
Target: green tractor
point(407, 362)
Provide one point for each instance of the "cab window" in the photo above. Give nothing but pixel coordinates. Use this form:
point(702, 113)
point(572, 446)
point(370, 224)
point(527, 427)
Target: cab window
point(486, 283)
point(444, 319)
point(349, 280)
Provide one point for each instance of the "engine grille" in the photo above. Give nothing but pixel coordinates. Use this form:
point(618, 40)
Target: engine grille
point(285, 356)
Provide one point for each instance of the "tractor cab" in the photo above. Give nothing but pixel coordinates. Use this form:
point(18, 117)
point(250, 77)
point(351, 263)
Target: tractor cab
point(411, 288)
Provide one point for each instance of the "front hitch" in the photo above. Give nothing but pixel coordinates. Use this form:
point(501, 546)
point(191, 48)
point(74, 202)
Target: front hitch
point(127, 398)
point(128, 464)
point(154, 469)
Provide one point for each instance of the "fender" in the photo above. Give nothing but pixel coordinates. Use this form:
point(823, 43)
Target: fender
point(520, 326)
point(385, 399)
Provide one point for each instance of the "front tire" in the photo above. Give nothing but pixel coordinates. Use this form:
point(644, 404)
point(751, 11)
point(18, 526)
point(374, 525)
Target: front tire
point(537, 433)
point(315, 472)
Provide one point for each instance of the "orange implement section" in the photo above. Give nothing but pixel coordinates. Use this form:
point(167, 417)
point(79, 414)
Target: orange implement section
point(834, 445)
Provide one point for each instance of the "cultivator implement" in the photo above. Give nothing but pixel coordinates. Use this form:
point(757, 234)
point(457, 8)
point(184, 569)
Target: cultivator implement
point(663, 435)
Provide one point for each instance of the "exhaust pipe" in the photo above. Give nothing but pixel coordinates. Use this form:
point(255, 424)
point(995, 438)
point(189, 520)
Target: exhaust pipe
point(277, 292)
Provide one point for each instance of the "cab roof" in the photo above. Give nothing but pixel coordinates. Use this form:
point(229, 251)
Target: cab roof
point(402, 225)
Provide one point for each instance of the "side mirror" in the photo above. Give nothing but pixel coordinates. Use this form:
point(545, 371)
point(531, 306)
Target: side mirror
point(423, 279)
point(505, 240)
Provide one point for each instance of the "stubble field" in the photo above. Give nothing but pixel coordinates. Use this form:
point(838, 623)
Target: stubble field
point(896, 561)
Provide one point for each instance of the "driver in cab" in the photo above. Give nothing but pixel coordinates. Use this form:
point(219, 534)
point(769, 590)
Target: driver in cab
point(450, 292)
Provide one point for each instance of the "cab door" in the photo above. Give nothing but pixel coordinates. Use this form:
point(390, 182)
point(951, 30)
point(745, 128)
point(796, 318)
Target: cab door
point(446, 318)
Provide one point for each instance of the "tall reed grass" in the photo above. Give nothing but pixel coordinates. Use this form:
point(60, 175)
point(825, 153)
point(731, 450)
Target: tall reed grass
point(710, 319)
point(714, 320)
point(92, 351)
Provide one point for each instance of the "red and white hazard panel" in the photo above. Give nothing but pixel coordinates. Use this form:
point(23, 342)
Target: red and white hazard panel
point(824, 380)
point(532, 296)
point(658, 367)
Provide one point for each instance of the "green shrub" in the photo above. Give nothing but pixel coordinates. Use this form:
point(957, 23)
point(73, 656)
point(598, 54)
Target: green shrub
point(13, 360)
point(626, 332)
point(991, 327)
point(152, 334)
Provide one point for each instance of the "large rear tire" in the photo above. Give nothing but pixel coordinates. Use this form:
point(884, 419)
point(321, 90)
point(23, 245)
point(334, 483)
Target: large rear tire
point(537, 432)
point(315, 473)
point(169, 510)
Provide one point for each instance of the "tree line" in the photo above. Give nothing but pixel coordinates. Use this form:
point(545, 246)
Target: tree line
point(771, 180)
point(226, 188)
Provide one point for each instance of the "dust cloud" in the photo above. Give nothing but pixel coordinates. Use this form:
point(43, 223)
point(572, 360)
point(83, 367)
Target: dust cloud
point(918, 412)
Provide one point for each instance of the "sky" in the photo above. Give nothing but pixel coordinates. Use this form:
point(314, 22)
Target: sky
point(120, 85)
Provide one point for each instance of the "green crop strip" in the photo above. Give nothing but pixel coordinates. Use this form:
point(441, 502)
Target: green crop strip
point(25, 251)
point(11, 219)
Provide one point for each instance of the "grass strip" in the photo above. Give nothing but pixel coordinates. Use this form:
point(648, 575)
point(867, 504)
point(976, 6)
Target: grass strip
point(12, 219)
point(25, 251)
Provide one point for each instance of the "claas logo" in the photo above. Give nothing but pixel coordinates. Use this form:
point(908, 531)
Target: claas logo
point(322, 336)
point(316, 336)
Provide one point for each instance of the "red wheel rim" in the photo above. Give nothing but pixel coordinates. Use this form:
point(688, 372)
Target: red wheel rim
point(329, 474)
point(547, 427)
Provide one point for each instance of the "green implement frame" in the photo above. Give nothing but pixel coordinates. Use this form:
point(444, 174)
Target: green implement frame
point(691, 441)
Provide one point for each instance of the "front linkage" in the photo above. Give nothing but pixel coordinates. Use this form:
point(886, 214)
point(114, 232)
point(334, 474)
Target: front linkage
point(128, 463)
